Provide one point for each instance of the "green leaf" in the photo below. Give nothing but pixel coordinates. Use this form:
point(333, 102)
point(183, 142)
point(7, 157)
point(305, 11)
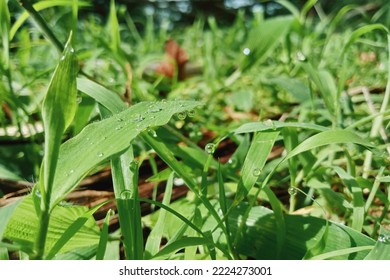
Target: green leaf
point(4, 33)
point(153, 242)
point(104, 236)
point(381, 250)
point(59, 108)
point(94, 144)
point(255, 160)
point(263, 38)
point(5, 215)
point(276, 125)
point(336, 136)
point(180, 244)
point(23, 226)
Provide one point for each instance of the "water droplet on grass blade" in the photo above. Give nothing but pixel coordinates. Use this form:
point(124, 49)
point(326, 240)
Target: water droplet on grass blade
point(246, 51)
point(383, 238)
point(71, 171)
point(100, 154)
point(63, 58)
point(79, 99)
point(300, 56)
point(152, 132)
point(118, 128)
point(210, 148)
point(232, 161)
point(181, 115)
point(292, 191)
point(133, 165)
point(256, 172)
point(191, 113)
point(126, 194)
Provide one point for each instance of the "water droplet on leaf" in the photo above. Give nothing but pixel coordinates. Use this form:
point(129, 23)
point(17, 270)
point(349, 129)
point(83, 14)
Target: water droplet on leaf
point(191, 113)
point(152, 132)
point(300, 56)
point(126, 194)
point(246, 51)
point(181, 115)
point(256, 172)
point(210, 148)
point(100, 154)
point(133, 165)
point(383, 238)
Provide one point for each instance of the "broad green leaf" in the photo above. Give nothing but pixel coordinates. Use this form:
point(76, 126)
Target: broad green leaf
point(59, 108)
point(72, 230)
point(5, 215)
point(23, 226)
point(262, 39)
point(381, 250)
point(255, 160)
point(101, 140)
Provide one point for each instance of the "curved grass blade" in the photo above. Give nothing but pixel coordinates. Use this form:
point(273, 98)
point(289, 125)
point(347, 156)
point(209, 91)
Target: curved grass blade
point(336, 136)
point(170, 249)
point(101, 250)
point(275, 125)
point(342, 252)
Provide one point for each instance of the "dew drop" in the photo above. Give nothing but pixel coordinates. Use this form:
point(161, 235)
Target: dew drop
point(152, 132)
point(72, 50)
point(181, 115)
point(178, 182)
point(38, 194)
point(71, 171)
point(133, 165)
point(100, 154)
point(292, 191)
point(118, 128)
point(300, 56)
point(232, 161)
point(256, 172)
point(210, 148)
point(63, 58)
point(79, 99)
point(138, 118)
point(126, 194)
point(383, 238)
point(269, 123)
point(119, 119)
point(154, 110)
point(246, 51)
point(191, 113)
point(164, 101)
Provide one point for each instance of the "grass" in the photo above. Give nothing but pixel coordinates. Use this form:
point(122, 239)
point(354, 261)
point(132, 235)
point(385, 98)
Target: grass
point(281, 140)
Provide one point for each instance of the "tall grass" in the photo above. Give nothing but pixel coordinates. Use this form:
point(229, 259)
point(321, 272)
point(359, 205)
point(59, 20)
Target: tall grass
point(273, 92)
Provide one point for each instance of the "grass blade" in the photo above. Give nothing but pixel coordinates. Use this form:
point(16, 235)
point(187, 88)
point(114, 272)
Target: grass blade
point(101, 250)
point(180, 244)
point(154, 240)
point(255, 160)
point(59, 108)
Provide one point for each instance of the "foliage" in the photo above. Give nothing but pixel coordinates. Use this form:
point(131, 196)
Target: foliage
point(278, 128)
